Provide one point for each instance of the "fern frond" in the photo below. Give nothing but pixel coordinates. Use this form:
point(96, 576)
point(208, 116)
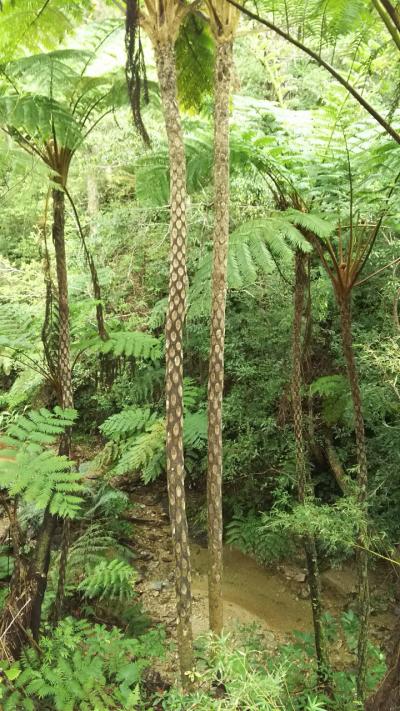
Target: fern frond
point(36, 116)
point(192, 394)
point(36, 474)
point(195, 430)
point(144, 449)
point(112, 579)
point(130, 344)
point(334, 391)
point(89, 549)
point(195, 60)
point(127, 422)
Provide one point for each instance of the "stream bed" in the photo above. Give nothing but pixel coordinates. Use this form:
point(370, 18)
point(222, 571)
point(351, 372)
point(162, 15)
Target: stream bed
point(276, 599)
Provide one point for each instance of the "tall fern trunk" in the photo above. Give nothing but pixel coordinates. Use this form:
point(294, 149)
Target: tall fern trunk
point(223, 71)
point(165, 58)
point(41, 562)
point(23, 610)
point(362, 488)
point(304, 485)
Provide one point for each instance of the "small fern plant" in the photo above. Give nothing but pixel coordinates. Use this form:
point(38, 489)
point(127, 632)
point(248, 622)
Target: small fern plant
point(81, 666)
point(137, 437)
point(31, 470)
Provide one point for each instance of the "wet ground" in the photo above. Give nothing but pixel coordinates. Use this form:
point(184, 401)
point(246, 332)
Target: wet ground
point(277, 599)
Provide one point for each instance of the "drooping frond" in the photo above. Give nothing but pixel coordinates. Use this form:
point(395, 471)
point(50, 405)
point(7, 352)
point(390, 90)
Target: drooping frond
point(135, 67)
point(256, 247)
point(130, 344)
point(33, 119)
point(195, 60)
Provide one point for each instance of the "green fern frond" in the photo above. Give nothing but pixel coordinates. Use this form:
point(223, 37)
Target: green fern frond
point(36, 116)
point(130, 344)
point(144, 448)
point(111, 579)
point(127, 422)
point(31, 26)
point(152, 179)
point(36, 474)
point(89, 549)
point(195, 60)
point(333, 389)
point(192, 394)
point(149, 381)
point(195, 430)
point(314, 223)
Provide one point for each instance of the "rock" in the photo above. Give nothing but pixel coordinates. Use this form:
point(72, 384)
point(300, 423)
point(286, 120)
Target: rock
point(340, 582)
point(291, 573)
point(300, 577)
point(157, 585)
point(304, 593)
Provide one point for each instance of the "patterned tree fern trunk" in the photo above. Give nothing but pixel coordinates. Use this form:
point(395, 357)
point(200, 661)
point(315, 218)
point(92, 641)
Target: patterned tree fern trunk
point(165, 58)
point(304, 486)
point(40, 566)
point(223, 71)
point(362, 489)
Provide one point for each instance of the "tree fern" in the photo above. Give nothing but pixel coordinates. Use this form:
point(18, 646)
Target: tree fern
point(36, 115)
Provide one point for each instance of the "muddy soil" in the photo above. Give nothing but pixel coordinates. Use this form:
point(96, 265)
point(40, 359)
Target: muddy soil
point(276, 600)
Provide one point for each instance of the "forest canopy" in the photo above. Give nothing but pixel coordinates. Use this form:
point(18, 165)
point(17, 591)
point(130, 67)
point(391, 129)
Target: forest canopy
point(199, 355)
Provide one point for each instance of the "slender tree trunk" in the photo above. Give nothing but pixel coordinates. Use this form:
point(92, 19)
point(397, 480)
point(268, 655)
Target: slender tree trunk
point(41, 562)
point(24, 608)
point(93, 272)
point(93, 207)
point(222, 82)
point(362, 490)
point(387, 696)
point(165, 58)
point(304, 485)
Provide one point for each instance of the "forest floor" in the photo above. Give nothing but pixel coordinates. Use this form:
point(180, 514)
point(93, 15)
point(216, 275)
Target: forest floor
point(276, 600)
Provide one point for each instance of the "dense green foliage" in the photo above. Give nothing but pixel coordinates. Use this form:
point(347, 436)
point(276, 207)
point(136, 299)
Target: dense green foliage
point(308, 166)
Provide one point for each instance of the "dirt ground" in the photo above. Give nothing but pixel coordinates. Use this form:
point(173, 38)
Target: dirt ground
point(276, 600)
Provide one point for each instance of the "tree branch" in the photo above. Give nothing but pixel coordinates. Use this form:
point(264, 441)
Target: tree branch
point(332, 71)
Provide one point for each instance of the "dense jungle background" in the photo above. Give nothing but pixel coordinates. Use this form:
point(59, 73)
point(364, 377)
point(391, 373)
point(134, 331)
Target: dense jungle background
point(199, 355)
